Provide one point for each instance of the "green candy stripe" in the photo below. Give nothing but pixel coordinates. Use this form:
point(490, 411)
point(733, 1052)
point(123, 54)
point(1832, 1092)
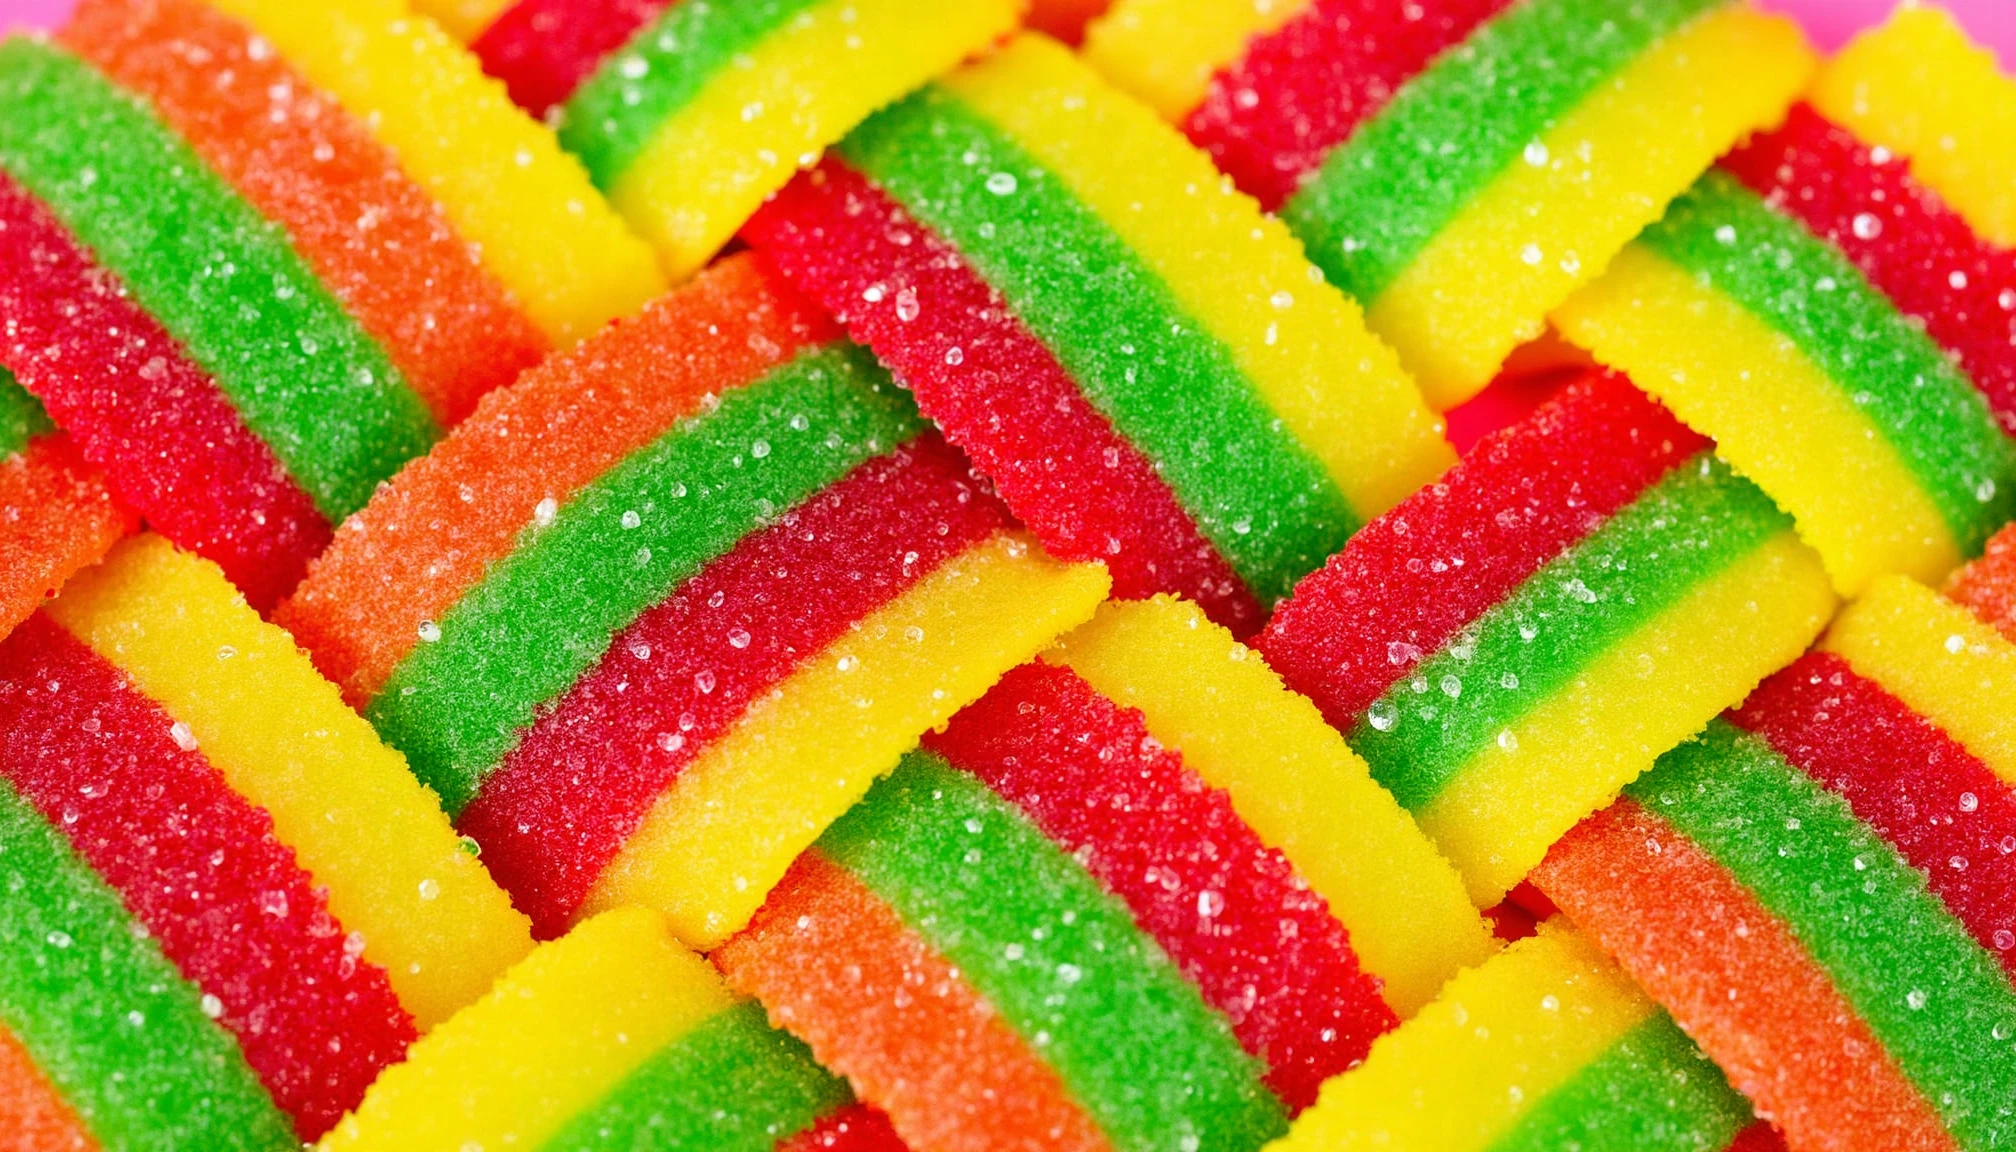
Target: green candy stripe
point(1803, 287)
point(1695, 522)
point(1383, 195)
point(1652, 1089)
point(21, 416)
point(223, 281)
point(669, 62)
point(1059, 958)
point(734, 1084)
point(1168, 385)
point(1936, 1000)
point(106, 1017)
point(546, 613)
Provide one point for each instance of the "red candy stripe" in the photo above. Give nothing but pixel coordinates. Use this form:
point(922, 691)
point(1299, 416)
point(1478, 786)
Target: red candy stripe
point(1408, 581)
point(1230, 911)
point(543, 49)
point(582, 779)
point(170, 443)
point(855, 1128)
point(1918, 251)
point(998, 392)
point(200, 867)
point(1270, 119)
point(1943, 810)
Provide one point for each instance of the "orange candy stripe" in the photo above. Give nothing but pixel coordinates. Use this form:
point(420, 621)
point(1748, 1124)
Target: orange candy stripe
point(1987, 587)
point(378, 242)
point(1690, 934)
point(423, 542)
point(56, 516)
point(36, 1118)
point(831, 961)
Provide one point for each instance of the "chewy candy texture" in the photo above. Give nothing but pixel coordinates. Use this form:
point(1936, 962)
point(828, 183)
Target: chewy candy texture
point(543, 49)
point(423, 907)
point(1165, 52)
point(1987, 586)
point(500, 177)
point(55, 513)
point(1545, 1046)
point(41, 1121)
point(372, 236)
point(1293, 780)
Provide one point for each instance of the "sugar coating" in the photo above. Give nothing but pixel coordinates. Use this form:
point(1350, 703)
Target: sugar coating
point(1165, 52)
point(22, 418)
point(56, 517)
point(851, 1128)
point(425, 909)
point(1293, 780)
point(1652, 1089)
point(464, 19)
point(500, 177)
point(544, 49)
point(41, 1121)
point(373, 237)
point(1987, 585)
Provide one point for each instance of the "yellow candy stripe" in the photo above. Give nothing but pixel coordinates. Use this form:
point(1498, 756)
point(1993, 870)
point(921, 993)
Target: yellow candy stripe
point(711, 165)
point(1775, 416)
point(1294, 780)
point(499, 175)
point(281, 735)
point(1540, 230)
point(464, 19)
point(1920, 88)
point(1238, 272)
point(556, 1035)
point(1571, 754)
point(1497, 1041)
point(1941, 661)
point(1165, 52)
point(712, 847)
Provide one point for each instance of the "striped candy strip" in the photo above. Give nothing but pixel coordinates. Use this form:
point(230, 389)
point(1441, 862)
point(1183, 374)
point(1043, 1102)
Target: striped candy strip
point(1418, 150)
point(55, 513)
point(613, 1036)
point(1544, 1047)
point(42, 1120)
point(588, 617)
point(1511, 646)
point(1144, 364)
point(690, 113)
point(1987, 586)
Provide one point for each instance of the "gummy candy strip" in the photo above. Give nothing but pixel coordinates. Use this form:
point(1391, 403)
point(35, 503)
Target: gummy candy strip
point(561, 1030)
point(500, 177)
point(466, 19)
point(1931, 996)
point(711, 849)
point(1122, 1026)
point(1930, 415)
point(199, 867)
point(1943, 811)
point(58, 518)
point(118, 1032)
point(1987, 586)
point(1689, 932)
point(1917, 87)
point(1912, 247)
point(850, 1128)
point(169, 441)
point(281, 736)
point(1500, 1054)
point(566, 423)
point(545, 613)
point(1446, 556)
point(1271, 117)
point(732, 1083)
point(216, 274)
point(1944, 664)
point(39, 1119)
point(1165, 52)
point(755, 119)
point(543, 49)
point(1229, 910)
point(377, 242)
point(833, 961)
point(565, 798)
point(1294, 781)
point(995, 388)
point(22, 419)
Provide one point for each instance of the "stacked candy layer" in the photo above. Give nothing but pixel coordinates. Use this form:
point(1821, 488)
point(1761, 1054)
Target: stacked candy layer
point(1816, 273)
point(664, 608)
point(1546, 1047)
point(1069, 924)
point(226, 906)
point(1142, 362)
point(613, 1036)
point(1822, 888)
point(260, 254)
point(1422, 149)
point(1509, 647)
point(55, 514)
point(690, 113)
